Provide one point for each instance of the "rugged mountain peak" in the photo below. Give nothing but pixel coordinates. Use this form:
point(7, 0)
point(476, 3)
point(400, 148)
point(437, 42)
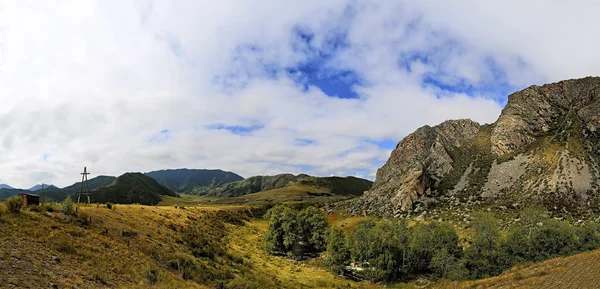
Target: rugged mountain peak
point(536, 110)
point(419, 161)
point(544, 147)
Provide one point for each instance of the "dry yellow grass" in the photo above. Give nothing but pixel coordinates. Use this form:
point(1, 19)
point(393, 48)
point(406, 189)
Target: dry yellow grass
point(117, 250)
point(578, 271)
point(45, 249)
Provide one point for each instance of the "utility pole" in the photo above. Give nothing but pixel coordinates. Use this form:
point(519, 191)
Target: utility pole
point(84, 178)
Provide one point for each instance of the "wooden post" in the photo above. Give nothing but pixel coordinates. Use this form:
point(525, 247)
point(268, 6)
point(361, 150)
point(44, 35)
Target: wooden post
point(42, 195)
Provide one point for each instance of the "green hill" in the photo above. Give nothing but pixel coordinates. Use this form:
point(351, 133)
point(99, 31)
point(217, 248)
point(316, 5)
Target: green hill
point(9, 193)
point(131, 188)
point(184, 180)
point(57, 194)
point(331, 185)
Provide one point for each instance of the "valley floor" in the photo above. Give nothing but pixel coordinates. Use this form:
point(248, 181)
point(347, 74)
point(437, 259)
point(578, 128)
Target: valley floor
point(133, 246)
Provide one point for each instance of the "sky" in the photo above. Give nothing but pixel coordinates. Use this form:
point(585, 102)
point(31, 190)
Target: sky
point(264, 87)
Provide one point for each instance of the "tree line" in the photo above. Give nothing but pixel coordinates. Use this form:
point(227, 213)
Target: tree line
point(389, 250)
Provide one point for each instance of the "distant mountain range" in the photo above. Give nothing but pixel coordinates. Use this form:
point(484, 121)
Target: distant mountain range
point(333, 185)
point(184, 180)
point(39, 187)
point(148, 188)
point(5, 186)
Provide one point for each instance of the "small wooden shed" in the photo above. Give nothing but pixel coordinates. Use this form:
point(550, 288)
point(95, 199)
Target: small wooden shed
point(30, 200)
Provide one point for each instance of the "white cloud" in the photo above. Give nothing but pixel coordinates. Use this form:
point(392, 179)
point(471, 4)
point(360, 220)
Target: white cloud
point(91, 82)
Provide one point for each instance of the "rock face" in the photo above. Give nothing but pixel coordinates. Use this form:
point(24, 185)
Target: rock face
point(544, 147)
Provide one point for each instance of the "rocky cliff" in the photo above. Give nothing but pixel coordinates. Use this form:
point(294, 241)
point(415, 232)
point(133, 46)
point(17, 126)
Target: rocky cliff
point(544, 148)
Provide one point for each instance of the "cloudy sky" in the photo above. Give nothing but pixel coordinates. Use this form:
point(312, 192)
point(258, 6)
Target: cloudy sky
point(263, 87)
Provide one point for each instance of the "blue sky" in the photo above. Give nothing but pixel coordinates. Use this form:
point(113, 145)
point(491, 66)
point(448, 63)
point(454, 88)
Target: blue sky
point(263, 87)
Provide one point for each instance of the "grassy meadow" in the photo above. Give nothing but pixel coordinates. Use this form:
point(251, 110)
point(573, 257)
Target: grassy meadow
point(134, 246)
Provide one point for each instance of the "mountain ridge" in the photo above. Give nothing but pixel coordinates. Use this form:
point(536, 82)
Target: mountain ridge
point(184, 180)
point(131, 188)
point(544, 148)
point(335, 185)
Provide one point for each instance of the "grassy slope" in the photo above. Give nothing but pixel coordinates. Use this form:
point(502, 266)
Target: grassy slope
point(89, 258)
point(578, 271)
point(289, 194)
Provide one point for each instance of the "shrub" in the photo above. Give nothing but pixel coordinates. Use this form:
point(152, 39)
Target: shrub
point(50, 207)
point(63, 244)
point(67, 207)
point(2, 209)
point(205, 239)
point(109, 205)
point(236, 217)
point(14, 205)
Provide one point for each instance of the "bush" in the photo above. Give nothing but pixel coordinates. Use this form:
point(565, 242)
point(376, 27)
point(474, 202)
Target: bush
point(67, 207)
point(109, 205)
point(205, 239)
point(14, 205)
point(2, 209)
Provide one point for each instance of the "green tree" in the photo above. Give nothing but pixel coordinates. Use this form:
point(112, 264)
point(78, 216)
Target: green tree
point(290, 227)
point(383, 245)
point(482, 256)
point(313, 228)
point(338, 253)
point(517, 246)
point(427, 239)
point(587, 237)
point(67, 206)
point(446, 265)
point(390, 252)
point(361, 239)
point(283, 231)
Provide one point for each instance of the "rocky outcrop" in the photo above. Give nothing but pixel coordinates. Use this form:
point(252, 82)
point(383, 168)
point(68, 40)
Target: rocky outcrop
point(420, 161)
point(536, 110)
point(543, 147)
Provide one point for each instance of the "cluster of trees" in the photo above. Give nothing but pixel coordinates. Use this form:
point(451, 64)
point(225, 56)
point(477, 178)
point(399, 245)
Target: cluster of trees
point(389, 250)
point(535, 237)
point(294, 233)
